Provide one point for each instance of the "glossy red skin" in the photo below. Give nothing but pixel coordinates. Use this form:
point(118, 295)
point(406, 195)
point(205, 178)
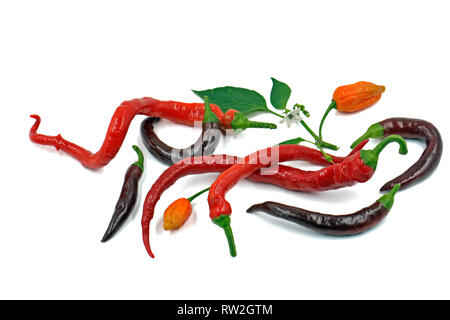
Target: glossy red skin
point(228, 118)
point(180, 112)
point(284, 177)
point(344, 174)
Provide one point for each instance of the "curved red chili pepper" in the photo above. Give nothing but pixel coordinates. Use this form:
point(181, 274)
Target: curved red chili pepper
point(184, 113)
point(358, 167)
point(285, 177)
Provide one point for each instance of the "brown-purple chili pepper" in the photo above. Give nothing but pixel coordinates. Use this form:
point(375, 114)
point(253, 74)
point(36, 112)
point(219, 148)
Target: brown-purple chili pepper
point(410, 129)
point(205, 144)
point(338, 225)
point(208, 140)
point(128, 196)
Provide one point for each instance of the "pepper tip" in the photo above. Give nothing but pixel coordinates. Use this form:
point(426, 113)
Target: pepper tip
point(146, 239)
point(105, 238)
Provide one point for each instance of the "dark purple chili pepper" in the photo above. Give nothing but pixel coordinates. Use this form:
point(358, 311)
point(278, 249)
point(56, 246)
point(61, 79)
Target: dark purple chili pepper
point(410, 129)
point(205, 144)
point(339, 225)
point(128, 196)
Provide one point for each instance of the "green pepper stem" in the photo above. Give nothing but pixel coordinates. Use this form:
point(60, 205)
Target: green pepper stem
point(257, 124)
point(197, 194)
point(320, 143)
point(325, 155)
point(392, 138)
point(140, 162)
point(208, 115)
point(223, 221)
point(374, 131)
point(370, 157)
point(274, 113)
point(330, 107)
point(241, 122)
point(387, 200)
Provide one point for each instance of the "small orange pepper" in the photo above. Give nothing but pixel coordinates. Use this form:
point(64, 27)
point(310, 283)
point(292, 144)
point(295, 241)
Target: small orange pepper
point(177, 214)
point(353, 97)
point(179, 211)
point(357, 96)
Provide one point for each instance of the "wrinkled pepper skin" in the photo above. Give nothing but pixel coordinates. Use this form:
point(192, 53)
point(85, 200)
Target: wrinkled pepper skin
point(183, 113)
point(357, 96)
point(205, 144)
point(285, 177)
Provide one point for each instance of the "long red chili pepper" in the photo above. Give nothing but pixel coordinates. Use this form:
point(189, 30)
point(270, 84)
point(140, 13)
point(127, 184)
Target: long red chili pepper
point(358, 167)
point(184, 113)
point(285, 177)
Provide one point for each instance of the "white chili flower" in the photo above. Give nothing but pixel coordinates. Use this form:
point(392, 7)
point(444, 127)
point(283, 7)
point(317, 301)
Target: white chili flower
point(292, 117)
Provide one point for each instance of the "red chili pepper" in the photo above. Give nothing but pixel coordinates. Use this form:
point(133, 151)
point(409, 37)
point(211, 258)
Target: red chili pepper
point(184, 113)
point(285, 177)
point(358, 167)
point(228, 117)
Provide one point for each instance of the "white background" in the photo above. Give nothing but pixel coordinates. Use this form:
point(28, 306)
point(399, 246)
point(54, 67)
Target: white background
point(74, 62)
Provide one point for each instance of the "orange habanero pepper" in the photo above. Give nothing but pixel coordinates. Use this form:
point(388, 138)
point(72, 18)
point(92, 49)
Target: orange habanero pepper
point(178, 212)
point(352, 98)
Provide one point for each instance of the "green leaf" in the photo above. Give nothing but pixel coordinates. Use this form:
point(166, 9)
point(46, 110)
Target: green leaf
point(292, 141)
point(243, 100)
point(280, 94)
